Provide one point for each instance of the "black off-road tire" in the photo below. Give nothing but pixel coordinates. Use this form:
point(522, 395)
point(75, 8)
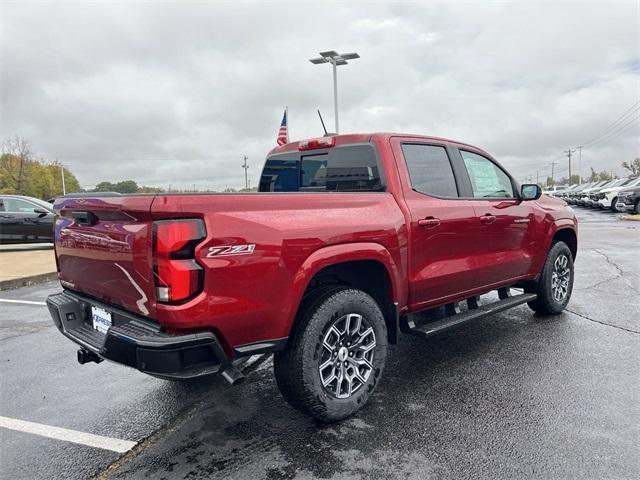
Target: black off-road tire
point(636, 209)
point(546, 304)
point(296, 367)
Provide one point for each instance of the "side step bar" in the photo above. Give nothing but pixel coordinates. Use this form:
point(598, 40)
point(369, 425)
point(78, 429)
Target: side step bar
point(453, 321)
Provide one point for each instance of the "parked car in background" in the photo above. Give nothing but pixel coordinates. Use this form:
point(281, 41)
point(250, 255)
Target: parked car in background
point(592, 196)
point(574, 194)
point(583, 196)
point(629, 200)
point(25, 220)
point(564, 194)
point(608, 197)
point(556, 190)
point(84, 194)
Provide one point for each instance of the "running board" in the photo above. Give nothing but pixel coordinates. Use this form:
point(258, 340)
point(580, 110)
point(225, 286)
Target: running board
point(453, 321)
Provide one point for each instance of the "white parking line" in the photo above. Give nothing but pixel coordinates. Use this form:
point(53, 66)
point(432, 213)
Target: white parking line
point(81, 438)
point(26, 302)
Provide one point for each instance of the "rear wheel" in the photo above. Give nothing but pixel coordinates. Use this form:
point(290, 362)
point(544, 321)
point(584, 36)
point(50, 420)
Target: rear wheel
point(637, 207)
point(336, 356)
point(555, 284)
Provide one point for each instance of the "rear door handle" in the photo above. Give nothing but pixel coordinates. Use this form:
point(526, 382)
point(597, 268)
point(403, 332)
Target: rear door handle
point(429, 222)
point(488, 218)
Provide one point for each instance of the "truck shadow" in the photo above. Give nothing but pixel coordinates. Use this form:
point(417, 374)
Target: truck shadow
point(456, 389)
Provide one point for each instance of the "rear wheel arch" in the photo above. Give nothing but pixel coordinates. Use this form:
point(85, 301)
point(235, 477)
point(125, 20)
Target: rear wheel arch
point(371, 276)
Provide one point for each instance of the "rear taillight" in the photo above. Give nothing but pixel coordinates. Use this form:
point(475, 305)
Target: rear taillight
point(177, 275)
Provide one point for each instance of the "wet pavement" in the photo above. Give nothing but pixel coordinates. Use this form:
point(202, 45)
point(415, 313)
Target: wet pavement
point(512, 396)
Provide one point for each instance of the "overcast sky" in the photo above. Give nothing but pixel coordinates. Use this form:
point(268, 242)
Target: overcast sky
point(177, 92)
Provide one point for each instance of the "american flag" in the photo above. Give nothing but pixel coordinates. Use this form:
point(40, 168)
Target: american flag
point(283, 134)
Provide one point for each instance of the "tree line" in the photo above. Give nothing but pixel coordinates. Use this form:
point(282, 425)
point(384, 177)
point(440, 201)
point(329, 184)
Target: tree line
point(23, 174)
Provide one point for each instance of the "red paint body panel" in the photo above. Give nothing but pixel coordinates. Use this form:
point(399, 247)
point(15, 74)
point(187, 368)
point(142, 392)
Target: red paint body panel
point(262, 250)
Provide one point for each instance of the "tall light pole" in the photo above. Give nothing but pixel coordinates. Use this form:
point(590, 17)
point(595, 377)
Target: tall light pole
point(335, 59)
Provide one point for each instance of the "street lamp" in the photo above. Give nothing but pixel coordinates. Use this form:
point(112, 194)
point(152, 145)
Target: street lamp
point(335, 59)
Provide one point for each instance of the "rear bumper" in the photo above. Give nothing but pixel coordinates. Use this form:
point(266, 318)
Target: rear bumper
point(136, 342)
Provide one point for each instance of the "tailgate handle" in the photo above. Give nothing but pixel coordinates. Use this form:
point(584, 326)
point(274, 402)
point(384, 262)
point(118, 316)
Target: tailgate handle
point(85, 218)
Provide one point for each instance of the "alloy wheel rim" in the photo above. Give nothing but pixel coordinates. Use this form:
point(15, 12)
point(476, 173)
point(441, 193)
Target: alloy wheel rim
point(560, 278)
point(346, 361)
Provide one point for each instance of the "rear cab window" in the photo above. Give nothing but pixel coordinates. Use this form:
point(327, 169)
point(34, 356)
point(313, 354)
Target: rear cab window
point(349, 168)
point(430, 170)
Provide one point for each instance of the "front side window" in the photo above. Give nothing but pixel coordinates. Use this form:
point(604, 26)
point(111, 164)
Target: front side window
point(352, 168)
point(430, 170)
point(487, 179)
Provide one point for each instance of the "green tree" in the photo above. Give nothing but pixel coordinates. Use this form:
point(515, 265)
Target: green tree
point(565, 181)
point(22, 174)
point(633, 167)
point(104, 187)
point(126, 186)
point(150, 190)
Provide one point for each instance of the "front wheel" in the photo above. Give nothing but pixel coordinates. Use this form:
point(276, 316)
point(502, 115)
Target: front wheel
point(336, 356)
point(613, 204)
point(555, 284)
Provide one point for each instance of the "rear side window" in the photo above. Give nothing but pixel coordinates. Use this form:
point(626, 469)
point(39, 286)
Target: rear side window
point(352, 168)
point(430, 170)
point(487, 179)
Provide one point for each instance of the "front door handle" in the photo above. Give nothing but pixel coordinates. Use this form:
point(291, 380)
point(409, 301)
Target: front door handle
point(429, 222)
point(487, 218)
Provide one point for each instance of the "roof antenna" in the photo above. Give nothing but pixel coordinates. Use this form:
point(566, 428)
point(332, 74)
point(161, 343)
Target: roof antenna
point(322, 122)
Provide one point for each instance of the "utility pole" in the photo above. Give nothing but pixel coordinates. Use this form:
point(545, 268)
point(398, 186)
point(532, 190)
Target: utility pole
point(579, 147)
point(553, 180)
point(64, 190)
point(569, 152)
point(246, 178)
point(537, 177)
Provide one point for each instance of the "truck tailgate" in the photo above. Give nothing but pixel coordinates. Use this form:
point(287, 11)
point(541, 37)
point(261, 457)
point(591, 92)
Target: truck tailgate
point(103, 249)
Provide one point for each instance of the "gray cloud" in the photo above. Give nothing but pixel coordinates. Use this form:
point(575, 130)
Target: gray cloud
point(179, 92)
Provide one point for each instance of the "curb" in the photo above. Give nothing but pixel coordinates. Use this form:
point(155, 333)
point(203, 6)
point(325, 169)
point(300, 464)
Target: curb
point(31, 280)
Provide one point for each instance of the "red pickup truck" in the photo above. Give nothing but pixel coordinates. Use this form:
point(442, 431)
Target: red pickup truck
point(352, 240)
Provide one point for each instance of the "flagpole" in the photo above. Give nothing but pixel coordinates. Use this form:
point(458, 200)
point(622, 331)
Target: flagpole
point(286, 109)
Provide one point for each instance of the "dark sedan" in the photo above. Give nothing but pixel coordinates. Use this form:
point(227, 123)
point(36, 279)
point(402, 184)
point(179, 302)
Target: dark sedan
point(25, 220)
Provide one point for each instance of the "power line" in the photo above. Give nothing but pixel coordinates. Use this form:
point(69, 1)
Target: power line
point(615, 133)
point(622, 118)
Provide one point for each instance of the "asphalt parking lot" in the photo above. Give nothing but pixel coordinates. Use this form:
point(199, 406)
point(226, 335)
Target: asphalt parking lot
point(513, 396)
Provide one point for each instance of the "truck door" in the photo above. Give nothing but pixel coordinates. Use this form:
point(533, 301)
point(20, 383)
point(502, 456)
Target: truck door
point(440, 253)
point(504, 242)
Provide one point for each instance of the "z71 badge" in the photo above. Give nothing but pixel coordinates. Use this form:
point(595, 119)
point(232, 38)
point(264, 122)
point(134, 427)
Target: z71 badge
point(227, 250)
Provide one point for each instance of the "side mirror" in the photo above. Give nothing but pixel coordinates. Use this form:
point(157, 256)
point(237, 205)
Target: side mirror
point(530, 191)
point(41, 211)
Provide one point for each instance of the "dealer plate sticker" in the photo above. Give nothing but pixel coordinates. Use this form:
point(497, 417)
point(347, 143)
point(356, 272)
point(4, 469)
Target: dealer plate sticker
point(101, 319)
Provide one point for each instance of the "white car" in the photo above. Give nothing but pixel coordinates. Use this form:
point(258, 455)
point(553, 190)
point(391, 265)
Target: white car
point(608, 197)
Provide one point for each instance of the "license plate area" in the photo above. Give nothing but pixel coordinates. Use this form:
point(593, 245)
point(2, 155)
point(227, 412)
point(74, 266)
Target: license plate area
point(100, 319)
